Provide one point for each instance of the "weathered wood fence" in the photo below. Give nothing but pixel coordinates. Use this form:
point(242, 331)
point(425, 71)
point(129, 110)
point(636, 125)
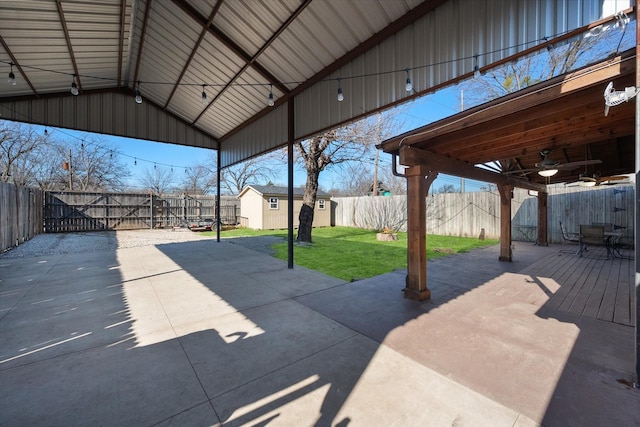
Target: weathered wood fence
point(83, 211)
point(20, 214)
point(467, 214)
point(25, 212)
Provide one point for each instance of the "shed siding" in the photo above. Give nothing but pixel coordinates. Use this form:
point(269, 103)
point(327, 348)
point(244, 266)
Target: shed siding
point(252, 207)
point(255, 207)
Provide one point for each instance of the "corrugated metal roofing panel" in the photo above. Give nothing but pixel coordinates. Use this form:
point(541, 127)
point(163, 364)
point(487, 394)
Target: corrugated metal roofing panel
point(436, 48)
point(243, 144)
point(250, 25)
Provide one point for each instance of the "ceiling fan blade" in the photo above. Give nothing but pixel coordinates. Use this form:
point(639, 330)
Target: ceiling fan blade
point(612, 178)
point(573, 165)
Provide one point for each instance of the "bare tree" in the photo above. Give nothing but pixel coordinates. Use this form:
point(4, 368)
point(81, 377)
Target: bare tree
point(199, 179)
point(543, 65)
point(336, 147)
point(95, 166)
point(356, 179)
point(395, 184)
point(447, 188)
point(158, 179)
point(19, 145)
point(257, 170)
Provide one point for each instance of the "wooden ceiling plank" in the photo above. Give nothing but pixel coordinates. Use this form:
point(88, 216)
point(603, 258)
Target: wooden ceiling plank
point(553, 131)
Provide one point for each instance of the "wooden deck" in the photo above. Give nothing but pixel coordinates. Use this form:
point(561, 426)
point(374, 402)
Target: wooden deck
point(591, 285)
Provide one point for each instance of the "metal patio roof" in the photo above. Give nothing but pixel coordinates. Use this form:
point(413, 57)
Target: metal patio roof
point(238, 52)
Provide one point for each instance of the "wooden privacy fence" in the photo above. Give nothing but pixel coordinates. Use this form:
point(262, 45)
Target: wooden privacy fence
point(20, 214)
point(467, 214)
point(82, 211)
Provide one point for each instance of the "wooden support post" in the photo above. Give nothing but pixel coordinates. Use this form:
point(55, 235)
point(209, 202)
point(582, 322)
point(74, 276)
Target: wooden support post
point(506, 194)
point(542, 219)
point(416, 284)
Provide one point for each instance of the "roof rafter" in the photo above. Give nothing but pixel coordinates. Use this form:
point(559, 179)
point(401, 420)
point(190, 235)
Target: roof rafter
point(17, 64)
point(203, 33)
point(143, 36)
point(253, 59)
point(123, 6)
point(230, 44)
point(65, 29)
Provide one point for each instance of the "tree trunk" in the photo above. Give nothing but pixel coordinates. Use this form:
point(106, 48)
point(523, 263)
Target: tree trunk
point(308, 203)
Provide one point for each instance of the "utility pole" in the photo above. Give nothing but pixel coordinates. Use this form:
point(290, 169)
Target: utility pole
point(461, 109)
point(70, 173)
point(374, 189)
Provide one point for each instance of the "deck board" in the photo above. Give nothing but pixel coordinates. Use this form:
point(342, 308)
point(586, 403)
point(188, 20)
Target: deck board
point(591, 285)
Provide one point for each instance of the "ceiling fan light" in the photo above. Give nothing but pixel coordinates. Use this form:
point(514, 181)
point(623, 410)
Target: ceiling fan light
point(547, 172)
point(587, 184)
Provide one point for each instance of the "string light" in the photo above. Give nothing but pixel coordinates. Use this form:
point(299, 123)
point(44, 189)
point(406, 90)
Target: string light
point(621, 20)
point(204, 95)
point(409, 85)
point(135, 161)
point(270, 100)
point(549, 46)
point(138, 94)
point(12, 77)
point(74, 87)
point(476, 69)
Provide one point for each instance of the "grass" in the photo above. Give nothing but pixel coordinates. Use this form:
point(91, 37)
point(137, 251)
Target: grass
point(352, 253)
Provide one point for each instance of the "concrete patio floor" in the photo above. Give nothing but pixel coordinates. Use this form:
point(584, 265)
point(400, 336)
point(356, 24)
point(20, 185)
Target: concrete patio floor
point(205, 333)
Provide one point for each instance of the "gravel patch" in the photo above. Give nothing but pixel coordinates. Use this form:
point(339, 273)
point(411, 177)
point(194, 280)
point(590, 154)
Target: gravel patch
point(96, 241)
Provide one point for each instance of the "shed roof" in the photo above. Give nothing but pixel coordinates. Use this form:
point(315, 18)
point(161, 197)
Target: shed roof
point(275, 190)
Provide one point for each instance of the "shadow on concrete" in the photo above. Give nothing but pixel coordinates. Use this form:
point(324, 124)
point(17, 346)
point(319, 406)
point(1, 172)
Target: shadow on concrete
point(205, 333)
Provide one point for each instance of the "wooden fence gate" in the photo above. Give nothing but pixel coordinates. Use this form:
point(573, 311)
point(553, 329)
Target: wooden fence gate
point(81, 211)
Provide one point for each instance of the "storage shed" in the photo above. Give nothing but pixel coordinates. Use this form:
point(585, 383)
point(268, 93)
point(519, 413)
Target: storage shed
point(264, 207)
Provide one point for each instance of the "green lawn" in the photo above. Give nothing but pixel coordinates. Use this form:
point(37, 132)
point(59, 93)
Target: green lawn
point(353, 253)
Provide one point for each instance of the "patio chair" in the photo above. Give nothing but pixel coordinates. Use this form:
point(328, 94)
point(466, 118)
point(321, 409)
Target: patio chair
point(592, 235)
point(569, 237)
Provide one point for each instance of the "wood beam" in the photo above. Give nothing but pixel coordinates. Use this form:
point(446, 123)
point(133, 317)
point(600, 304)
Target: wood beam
point(542, 219)
point(506, 194)
point(410, 156)
point(416, 283)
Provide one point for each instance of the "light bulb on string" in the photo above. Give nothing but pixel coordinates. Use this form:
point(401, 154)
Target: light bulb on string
point(270, 100)
point(12, 77)
point(74, 87)
point(340, 94)
point(135, 162)
point(409, 85)
point(476, 69)
point(138, 94)
point(204, 96)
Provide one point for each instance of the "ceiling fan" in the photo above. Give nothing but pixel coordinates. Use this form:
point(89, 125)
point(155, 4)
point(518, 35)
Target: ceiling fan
point(596, 180)
point(547, 167)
